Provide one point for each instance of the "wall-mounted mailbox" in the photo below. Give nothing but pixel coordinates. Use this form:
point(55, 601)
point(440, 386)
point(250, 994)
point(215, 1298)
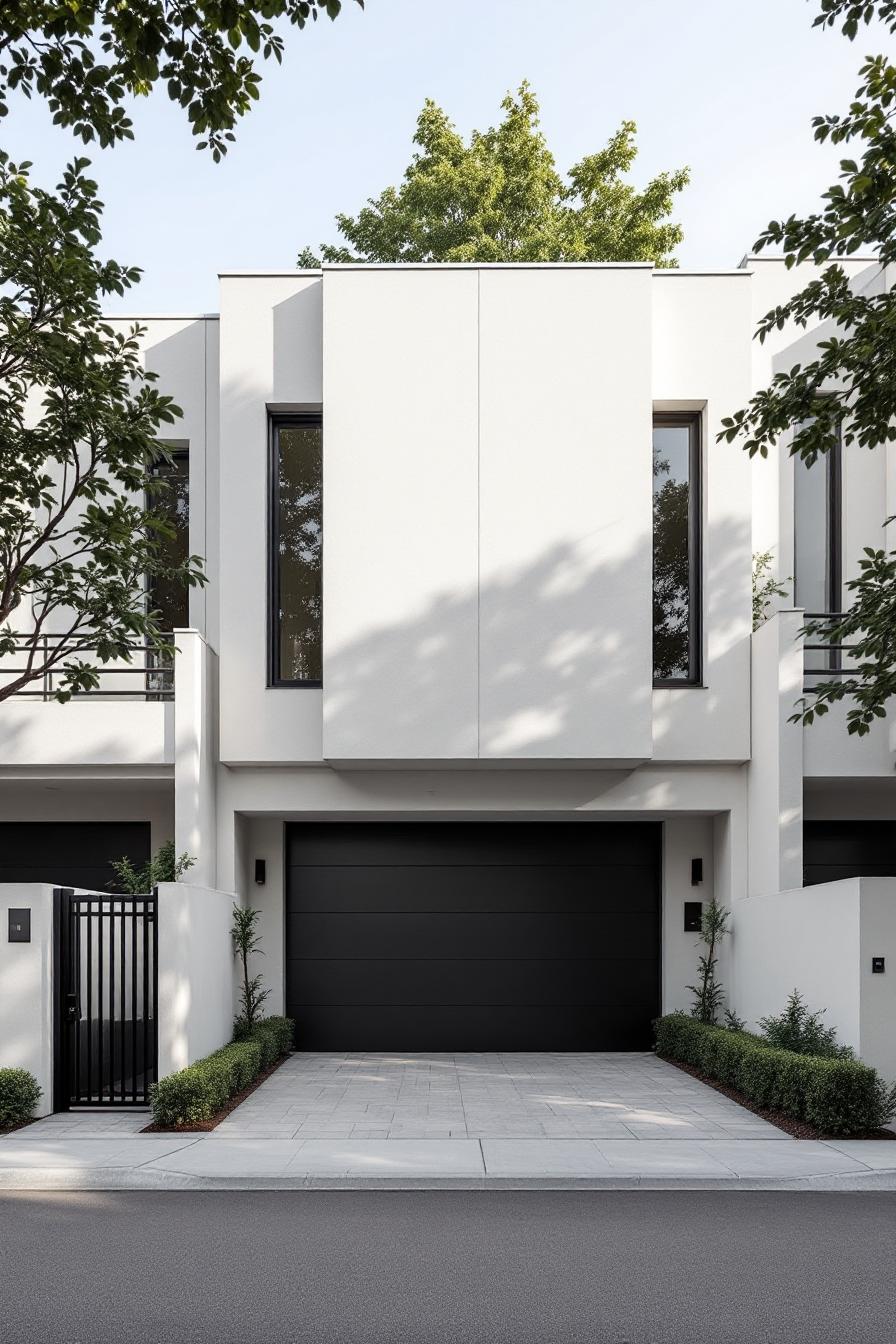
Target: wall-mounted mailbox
point(878, 966)
point(20, 926)
point(693, 916)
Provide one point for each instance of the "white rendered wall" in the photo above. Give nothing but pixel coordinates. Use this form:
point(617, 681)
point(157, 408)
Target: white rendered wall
point(400, 513)
point(684, 839)
point(265, 840)
point(195, 768)
point(701, 362)
point(775, 773)
point(820, 940)
point(195, 973)
point(565, 521)
point(877, 993)
point(86, 733)
point(270, 359)
point(805, 939)
point(26, 988)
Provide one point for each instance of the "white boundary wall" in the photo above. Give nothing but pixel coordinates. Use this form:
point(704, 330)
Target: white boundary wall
point(196, 975)
point(26, 987)
point(820, 940)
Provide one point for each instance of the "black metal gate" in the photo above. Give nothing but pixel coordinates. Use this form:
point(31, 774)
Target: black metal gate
point(106, 986)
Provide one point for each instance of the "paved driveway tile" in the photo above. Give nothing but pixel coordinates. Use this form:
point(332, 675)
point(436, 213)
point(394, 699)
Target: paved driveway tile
point(633, 1097)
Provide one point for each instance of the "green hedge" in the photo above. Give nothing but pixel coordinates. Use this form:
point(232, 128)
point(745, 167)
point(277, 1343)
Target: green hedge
point(19, 1094)
point(198, 1092)
point(837, 1096)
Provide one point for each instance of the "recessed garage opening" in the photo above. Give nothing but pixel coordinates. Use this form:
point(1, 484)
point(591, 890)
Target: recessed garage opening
point(473, 936)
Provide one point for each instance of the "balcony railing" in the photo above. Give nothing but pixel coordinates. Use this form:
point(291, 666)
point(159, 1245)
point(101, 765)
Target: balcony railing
point(824, 660)
point(148, 676)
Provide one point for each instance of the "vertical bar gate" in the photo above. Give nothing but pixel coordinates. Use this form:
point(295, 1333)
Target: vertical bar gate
point(107, 976)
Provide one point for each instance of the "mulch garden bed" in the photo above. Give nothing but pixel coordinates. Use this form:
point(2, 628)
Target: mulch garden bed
point(203, 1126)
point(797, 1129)
point(12, 1129)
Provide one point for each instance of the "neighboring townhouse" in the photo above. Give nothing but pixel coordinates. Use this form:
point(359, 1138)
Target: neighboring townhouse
point(470, 707)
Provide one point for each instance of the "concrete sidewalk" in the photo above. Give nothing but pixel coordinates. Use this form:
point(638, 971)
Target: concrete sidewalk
point(30, 1161)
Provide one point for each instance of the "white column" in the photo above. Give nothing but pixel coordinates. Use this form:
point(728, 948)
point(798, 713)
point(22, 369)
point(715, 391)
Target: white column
point(775, 772)
point(195, 755)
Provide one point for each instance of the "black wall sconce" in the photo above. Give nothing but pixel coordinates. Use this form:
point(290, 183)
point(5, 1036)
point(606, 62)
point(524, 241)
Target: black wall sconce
point(696, 872)
point(260, 872)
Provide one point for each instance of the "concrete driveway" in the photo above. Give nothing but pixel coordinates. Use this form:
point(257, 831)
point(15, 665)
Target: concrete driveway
point(488, 1096)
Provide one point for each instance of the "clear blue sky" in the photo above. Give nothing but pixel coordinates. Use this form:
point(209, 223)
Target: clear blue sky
point(727, 87)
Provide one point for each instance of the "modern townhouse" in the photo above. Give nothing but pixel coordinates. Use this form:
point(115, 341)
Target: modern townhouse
point(471, 707)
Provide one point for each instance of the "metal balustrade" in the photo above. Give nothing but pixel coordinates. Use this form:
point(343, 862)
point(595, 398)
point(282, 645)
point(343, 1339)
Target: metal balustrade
point(147, 676)
point(825, 660)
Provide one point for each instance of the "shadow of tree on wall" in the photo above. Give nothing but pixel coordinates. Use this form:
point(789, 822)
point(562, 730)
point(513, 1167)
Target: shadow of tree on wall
point(551, 661)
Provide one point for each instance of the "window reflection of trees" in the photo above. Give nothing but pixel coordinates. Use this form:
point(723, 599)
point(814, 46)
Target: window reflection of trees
point(299, 536)
point(169, 598)
point(671, 571)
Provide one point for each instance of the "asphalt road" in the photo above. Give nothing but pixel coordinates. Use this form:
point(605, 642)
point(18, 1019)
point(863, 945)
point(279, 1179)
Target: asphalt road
point(498, 1267)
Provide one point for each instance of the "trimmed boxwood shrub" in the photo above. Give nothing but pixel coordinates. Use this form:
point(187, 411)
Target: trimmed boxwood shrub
point(837, 1096)
point(19, 1094)
point(198, 1092)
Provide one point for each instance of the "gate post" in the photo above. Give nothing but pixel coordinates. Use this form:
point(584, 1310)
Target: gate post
point(60, 1098)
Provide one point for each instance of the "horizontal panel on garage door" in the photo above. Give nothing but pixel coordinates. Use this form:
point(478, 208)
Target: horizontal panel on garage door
point(392, 887)
point(493, 843)
point(453, 1028)
point(425, 935)
point(489, 981)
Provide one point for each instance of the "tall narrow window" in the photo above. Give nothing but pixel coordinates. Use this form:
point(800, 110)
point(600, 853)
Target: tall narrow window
point(676, 549)
point(816, 532)
point(296, 533)
point(171, 599)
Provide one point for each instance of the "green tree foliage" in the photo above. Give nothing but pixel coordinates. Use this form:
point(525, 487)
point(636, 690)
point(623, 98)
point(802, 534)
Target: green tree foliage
point(88, 59)
point(80, 524)
point(164, 866)
point(500, 198)
point(765, 586)
point(849, 387)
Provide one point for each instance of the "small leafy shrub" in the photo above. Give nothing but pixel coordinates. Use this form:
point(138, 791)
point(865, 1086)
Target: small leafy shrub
point(837, 1095)
point(198, 1092)
point(164, 866)
point(19, 1094)
point(733, 1022)
point(799, 1030)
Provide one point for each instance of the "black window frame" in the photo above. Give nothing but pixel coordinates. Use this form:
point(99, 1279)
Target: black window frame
point(833, 579)
point(693, 420)
point(275, 424)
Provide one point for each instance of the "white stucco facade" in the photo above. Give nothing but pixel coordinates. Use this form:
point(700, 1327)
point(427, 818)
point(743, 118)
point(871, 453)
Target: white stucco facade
point(487, 619)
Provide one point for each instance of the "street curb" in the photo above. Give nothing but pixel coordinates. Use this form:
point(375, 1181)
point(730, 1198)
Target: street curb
point(64, 1180)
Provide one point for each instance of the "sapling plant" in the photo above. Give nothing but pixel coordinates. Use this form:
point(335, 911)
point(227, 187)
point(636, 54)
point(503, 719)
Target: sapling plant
point(164, 866)
point(246, 944)
point(708, 992)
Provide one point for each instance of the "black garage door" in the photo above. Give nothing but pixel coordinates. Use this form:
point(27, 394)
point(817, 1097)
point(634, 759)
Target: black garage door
point(70, 853)
point(836, 849)
point(458, 937)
